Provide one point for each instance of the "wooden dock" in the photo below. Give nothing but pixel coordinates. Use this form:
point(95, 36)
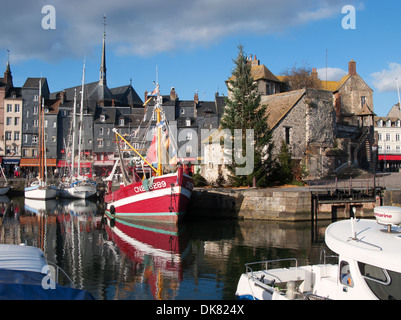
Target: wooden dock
point(346, 194)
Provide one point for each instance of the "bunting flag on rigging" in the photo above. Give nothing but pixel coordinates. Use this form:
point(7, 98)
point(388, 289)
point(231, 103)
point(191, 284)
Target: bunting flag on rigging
point(151, 155)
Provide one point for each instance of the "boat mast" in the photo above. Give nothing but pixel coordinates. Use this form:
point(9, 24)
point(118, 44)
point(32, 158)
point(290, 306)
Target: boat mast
point(74, 111)
point(40, 144)
point(159, 171)
point(81, 121)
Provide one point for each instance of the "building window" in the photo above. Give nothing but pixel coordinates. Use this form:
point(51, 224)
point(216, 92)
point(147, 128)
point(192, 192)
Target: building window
point(100, 143)
point(25, 138)
point(16, 121)
point(35, 123)
point(121, 122)
point(9, 120)
point(182, 111)
point(17, 108)
point(388, 148)
point(397, 149)
point(379, 137)
point(35, 110)
point(363, 101)
point(35, 152)
point(46, 122)
point(397, 137)
point(9, 108)
point(24, 152)
point(54, 124)
point(35, 97)
point(16, 135)
point(8, 135)
point(287, 135)
point(380, 123)
point(188, 122)
point(388, 123)
point(388, 136)
point(34, 138)
point(189, 136)
point(54, 139)
point(101, 131)
point(102, 118)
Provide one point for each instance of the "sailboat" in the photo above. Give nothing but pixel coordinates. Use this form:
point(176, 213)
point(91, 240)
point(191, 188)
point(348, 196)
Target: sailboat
point(38, 188)
point(161, 197)
point(77, 186)
point(5, 187)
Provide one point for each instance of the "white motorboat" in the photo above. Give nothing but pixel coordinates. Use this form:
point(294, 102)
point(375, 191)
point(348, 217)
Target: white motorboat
point(25, 274)
point(368, 266)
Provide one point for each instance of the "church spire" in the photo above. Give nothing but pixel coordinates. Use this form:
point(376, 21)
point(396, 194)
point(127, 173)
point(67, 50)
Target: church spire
point(8, 79)
point(102, 74)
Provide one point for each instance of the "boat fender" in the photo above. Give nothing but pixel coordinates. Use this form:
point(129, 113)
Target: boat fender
point(112, 210)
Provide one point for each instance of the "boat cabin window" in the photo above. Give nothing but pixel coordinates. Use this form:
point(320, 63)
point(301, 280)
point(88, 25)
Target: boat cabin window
point(385, 284)
point(345, 274)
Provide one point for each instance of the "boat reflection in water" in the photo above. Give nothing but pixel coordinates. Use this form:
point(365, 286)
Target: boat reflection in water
point(157, 248)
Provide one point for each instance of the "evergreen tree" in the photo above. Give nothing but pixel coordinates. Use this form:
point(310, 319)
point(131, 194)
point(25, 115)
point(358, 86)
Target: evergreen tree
point(244, 111)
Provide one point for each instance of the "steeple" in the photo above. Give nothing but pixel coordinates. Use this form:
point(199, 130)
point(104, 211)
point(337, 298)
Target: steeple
point(102, 74)
point(8, 79)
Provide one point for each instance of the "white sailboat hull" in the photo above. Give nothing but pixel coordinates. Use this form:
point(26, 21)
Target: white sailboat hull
point(80, 190)
point(77, 192)
point(40, 193)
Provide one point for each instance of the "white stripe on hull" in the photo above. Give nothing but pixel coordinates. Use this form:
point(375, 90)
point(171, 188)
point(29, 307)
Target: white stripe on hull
point(151, 194)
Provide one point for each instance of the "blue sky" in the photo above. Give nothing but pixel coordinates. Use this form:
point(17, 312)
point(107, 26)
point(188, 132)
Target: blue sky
point(192, 43)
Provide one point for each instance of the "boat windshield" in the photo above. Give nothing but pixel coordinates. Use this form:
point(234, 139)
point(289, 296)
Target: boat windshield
point(385, 284)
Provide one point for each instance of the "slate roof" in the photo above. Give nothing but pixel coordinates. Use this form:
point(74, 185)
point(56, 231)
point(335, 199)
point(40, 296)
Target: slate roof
point(278, 105)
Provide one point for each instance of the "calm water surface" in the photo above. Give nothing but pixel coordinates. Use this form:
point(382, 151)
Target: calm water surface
point(122, 260)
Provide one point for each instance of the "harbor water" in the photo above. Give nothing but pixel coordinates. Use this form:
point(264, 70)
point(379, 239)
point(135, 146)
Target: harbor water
point(201, 259)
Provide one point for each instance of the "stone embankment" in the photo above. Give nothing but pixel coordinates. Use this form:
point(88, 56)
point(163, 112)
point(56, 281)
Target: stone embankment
point(283, 204)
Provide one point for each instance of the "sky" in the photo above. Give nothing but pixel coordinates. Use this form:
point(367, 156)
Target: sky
point(190, 45)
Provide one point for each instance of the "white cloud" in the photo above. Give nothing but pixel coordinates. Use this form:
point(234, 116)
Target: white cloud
point(386, 79)
point(333, 74)
point(148, 27)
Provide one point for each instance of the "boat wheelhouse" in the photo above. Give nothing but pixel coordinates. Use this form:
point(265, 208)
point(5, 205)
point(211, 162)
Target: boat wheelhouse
point(368, 266)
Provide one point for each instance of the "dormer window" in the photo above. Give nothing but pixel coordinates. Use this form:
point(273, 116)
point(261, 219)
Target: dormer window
point(121, 122)
point(388, 123)
point(102, 118)
point(380, 123)
point(188, 122)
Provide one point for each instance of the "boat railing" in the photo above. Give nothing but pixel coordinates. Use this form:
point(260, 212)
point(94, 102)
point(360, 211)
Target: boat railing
point(323, 256)
point(266, 263)
point(58, 273)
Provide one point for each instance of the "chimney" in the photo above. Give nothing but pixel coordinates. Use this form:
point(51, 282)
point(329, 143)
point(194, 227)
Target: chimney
point(173, 94)
point(196, 98)
point(352, 68)
point(146, 95)
point(62, 97)
point(314, 74)
point(255, 62)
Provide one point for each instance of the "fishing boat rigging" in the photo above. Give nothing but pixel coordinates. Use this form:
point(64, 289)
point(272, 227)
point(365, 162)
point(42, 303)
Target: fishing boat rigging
point(161, 197)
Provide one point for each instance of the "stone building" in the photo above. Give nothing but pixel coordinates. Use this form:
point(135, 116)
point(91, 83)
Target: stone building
point(326, 129)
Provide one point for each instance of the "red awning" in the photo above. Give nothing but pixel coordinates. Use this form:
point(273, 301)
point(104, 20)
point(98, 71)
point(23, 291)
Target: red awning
point(389, 157)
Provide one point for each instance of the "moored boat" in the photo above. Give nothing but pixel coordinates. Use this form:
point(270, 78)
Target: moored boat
point(26, 275)
point(160, 197)
point(368, 266)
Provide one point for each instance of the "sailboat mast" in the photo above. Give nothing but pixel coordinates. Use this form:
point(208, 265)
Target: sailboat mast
point(40, 144)
point(81, 121)
point(74, 111)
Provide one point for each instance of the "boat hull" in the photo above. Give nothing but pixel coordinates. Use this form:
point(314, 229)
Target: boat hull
point(166, 199)
point(4, 190)
point(77, 192)
point(39, 193)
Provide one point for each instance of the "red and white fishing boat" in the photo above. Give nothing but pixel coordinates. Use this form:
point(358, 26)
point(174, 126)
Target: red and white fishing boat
point(161, 197)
